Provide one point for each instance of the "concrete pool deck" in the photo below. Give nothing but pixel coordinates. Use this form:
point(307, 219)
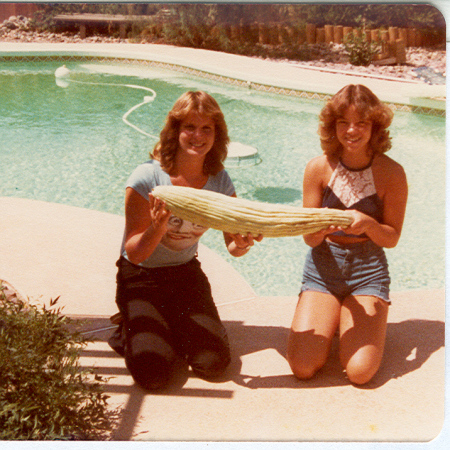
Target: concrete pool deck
point(49, 250)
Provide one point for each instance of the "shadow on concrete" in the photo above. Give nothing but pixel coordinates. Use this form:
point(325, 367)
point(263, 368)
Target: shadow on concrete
point(408, 345)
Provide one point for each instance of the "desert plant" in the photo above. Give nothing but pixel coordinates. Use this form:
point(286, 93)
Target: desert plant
point(44, 392)
point(359, 50)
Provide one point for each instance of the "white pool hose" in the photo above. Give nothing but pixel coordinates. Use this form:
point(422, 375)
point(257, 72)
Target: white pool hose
point(62, 75)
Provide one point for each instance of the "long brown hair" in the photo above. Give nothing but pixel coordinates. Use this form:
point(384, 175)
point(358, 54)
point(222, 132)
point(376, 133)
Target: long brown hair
point(368, 106)
point(167, 147)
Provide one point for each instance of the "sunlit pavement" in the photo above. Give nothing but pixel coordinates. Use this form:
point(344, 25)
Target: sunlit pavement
point(49, 250)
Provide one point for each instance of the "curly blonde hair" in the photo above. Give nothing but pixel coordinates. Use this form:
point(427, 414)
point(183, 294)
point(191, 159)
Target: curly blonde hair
point(167, 147)
point(368, 106)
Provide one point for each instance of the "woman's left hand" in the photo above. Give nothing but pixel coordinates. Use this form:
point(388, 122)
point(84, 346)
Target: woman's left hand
point(239, 244)
point(362, 223)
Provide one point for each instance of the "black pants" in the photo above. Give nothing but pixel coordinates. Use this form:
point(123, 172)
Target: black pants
point(169, 312)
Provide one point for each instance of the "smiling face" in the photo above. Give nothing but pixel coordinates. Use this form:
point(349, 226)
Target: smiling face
point(197, 133)
point(354, 132)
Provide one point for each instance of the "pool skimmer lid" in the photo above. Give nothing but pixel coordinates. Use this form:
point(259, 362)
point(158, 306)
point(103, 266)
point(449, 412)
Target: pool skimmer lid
point(241, 155)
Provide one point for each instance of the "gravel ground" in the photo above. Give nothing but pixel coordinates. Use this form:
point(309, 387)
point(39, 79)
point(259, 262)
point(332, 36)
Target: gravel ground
point(432, 64)
point(423, 65)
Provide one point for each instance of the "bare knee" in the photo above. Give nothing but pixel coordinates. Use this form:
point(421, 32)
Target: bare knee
point(313, 328)
point(307, 353)
point(361, 370)
point(363, 333)
point(302, 369)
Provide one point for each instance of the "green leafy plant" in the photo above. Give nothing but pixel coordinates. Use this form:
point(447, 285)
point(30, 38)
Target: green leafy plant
point(44, 392)
point(359, 50)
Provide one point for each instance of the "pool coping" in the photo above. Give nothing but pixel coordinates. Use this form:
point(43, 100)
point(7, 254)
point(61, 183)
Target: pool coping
point(278, 77)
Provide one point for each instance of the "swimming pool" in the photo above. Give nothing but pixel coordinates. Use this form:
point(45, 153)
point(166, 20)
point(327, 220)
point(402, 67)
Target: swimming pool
point(69, 145)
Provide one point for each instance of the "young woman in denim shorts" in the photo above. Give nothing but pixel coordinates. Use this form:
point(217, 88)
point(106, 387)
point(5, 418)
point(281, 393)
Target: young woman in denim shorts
point(164, 297)
point(346, 280)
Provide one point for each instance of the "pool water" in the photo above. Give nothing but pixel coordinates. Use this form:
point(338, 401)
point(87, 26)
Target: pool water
point(69, 145)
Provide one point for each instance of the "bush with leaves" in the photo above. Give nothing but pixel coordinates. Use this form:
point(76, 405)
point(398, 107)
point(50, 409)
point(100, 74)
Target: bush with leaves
point(44, 392)
point(359, 50)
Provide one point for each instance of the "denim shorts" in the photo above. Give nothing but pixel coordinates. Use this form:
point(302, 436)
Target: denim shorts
point(343, 270)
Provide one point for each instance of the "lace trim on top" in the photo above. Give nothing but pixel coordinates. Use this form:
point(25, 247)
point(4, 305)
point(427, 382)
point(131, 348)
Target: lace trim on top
point(352, 186)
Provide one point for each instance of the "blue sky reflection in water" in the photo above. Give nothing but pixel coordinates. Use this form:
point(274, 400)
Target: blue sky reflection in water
point(70, 145)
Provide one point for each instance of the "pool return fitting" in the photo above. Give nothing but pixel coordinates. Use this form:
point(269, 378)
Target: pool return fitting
point(239, 155)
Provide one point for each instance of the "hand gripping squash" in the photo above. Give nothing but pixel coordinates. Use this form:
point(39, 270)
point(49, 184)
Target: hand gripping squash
point(235, 215)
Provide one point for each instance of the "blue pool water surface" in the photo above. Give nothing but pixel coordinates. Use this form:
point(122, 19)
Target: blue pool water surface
point(69, 145)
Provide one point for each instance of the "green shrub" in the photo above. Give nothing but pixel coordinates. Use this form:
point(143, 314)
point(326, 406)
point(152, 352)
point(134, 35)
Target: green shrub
point(360, 51)
point(44, 393)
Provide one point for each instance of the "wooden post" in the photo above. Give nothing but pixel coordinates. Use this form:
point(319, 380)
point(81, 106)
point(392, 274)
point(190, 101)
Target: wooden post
point(338, 34)
point(123, 31)
point(301, 36)
point(400, 51)
point(357, 32)
point(328, 34)
point(320, 35)
point(393, 34)
point(347, 31)
point(83, 31)
point(310, 33)
point(291, 34)
point(411, 42)
point(384, 39)
point(374, 35)
point(403, 34)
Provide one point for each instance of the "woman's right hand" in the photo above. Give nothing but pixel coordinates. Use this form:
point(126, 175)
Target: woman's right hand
point(145, 225)
point(159, 214)
point(315, 239)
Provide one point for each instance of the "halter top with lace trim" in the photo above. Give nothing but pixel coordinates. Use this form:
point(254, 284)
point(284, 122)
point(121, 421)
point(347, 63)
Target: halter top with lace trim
point(353, 189)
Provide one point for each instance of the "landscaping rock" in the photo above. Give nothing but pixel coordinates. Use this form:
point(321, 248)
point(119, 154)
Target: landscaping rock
point(329, 57)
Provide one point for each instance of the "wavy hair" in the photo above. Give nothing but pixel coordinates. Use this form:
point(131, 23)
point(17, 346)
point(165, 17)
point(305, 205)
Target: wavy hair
point(368, 106)
point(167, 147)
